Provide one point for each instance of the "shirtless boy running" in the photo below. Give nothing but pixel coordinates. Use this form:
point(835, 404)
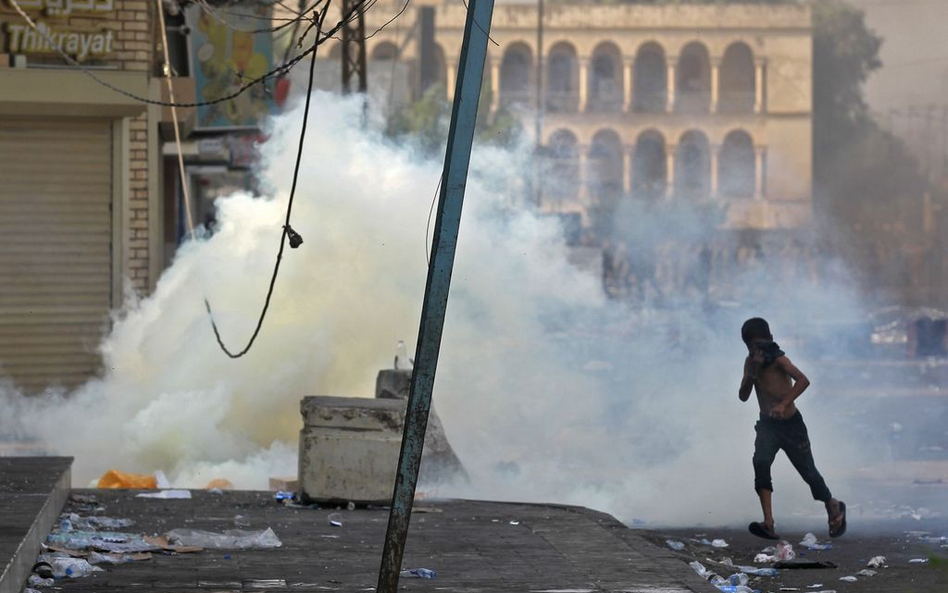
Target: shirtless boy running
point(778, 383)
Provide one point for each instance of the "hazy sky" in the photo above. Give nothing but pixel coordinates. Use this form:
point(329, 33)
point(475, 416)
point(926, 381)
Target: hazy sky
point(914, 54)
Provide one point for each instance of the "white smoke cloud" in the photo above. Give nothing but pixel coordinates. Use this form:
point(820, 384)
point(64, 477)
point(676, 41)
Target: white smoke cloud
point(661, 437)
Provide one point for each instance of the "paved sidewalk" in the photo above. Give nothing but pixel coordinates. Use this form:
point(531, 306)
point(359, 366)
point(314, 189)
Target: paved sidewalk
point(473, 546)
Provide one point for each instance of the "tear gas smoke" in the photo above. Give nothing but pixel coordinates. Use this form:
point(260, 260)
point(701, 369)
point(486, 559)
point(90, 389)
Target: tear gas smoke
point(521, 387)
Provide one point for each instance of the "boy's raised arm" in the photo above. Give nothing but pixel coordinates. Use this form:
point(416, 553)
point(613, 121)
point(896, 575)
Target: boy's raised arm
point(747, 383)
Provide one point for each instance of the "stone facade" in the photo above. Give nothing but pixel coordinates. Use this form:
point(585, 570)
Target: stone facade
point(652, 102)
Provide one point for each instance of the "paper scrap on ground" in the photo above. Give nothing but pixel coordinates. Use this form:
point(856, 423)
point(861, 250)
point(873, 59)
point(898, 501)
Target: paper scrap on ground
point(167, 494)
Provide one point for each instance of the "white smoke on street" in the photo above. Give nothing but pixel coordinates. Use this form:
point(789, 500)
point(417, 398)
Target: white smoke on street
point(520, 388)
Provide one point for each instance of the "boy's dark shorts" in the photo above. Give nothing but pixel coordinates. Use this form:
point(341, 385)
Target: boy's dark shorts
point(791, 436)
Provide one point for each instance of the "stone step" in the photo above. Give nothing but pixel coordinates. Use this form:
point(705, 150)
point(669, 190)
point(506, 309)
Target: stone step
point(33, 491)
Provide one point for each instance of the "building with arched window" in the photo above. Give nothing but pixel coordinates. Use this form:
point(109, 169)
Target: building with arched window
point(647, 102)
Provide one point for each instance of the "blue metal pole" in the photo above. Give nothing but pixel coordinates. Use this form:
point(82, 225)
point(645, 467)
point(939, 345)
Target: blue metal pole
point(456, 162)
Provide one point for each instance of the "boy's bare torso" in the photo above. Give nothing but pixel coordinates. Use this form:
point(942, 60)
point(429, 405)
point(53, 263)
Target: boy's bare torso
point(772, 385)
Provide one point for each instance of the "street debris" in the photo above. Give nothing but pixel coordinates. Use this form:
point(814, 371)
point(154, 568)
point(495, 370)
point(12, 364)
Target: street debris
point(219, 484)
point(876, 562)
point(36, 580)
point(918, 561)
point(811, 543)
point(849, 579)
point(167, 494)
point(335, 519)
point(514, 523)
point(764, 558)
point(234, 539)
point(64, 566)
point(241, 521)
point(718, 543)
point(101, 541)
point(674, 545)
point(804, 563)
point(784, 551)
point(421, 573)
point(867, 573)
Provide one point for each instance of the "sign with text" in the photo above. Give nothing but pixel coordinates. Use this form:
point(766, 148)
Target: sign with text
point(226, 55)
point(59, 33)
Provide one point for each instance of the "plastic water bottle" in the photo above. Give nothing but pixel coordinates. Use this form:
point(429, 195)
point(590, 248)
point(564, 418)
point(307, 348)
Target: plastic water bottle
point(734, 588)
point(421, 573)
point(402, 361)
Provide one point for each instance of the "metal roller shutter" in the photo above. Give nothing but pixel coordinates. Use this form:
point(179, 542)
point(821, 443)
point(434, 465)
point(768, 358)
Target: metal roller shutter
point(55, 249)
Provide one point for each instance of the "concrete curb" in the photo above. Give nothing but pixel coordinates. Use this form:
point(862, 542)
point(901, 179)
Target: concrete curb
point(17, 570)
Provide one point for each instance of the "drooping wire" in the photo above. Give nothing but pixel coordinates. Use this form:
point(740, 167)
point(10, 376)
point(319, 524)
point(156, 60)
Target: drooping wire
point(289, 206)
point(211, 12)
point(280, 70)
point(428, 224)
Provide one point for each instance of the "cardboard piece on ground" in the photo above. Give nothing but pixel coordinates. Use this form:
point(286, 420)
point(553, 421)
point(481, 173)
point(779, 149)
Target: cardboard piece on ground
point(73, 553)
point(162, 542)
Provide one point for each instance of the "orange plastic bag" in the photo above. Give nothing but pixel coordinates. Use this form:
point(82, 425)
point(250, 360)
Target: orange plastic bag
point(220, 483)
point(116, 479)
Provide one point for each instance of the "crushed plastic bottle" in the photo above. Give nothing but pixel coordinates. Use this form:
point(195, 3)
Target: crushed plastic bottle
point(421, 573)
point(335, 519)
point(718, 543)
point(876, 562)
point(701, 570)
point(785, 551)
point(66, 567)
point(811, 543)
point(759, 572)
point(735, 589)
point(739, 579)
point(674, 545)
point(849, 579)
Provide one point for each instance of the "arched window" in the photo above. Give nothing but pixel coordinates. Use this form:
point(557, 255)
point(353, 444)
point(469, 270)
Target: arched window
point(693, 166)
point(384, 51)
point(516, 74)
point(650, 79)
point(649, 166)
point(605, 166)
point(736, 167)
point(605, 79)
point(561, 178)
point(562, 90)
point(693, 80)
point(737, 93)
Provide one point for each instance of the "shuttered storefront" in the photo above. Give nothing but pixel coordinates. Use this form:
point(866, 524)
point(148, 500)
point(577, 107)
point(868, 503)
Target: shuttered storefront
point(55, 248)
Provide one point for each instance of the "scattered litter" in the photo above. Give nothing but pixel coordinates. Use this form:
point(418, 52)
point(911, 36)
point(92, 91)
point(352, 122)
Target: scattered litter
point(66, 567)
point(162, 544)
point(816, 586)
point(759, 572)
point(421, 573)
point(351, 506)
point(918, 561)
point(231, 539)
point(849, 579)
point(98, 558)
point(92, 523)
point(37, 581)
point(118, 479)
point(677, 546)
point(764, 558)
point(426, 510)
point(241, 521)
point(283, 495)
point(785, 551)
point(167, 494)
point(876, 561)
point(514, 523)
point(30, 590)
point(83, 498)
point(265, 584)
point(867, 573)
point(719, 543)
point(102, 541)
point(804, 563)
point(335, 519)
point(739, 579)
point(42, 569)
point(216, 491)
point(811, 543)
point(789, 588)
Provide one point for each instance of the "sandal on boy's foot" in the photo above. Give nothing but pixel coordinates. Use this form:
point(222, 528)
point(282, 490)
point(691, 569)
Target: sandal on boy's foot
point(760, 530)
point(841, 528)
